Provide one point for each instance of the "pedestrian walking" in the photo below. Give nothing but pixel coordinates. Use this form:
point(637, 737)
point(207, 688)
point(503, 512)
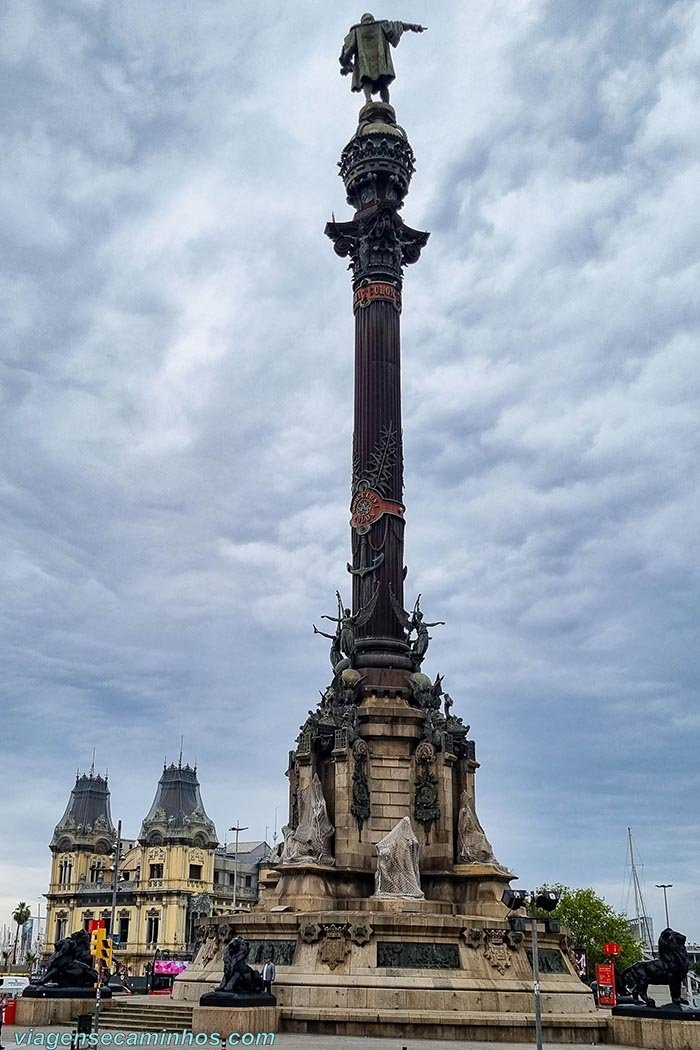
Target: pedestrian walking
point(269, 973)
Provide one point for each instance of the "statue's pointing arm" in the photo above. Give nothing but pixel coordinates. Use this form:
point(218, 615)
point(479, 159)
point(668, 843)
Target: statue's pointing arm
point(394, 30)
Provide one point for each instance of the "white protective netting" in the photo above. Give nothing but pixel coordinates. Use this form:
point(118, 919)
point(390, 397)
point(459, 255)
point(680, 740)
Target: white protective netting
point(310, 841)
point(397, 873)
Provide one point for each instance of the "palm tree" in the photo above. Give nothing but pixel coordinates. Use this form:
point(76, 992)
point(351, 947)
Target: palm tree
point(31, 960)
point(20, 915)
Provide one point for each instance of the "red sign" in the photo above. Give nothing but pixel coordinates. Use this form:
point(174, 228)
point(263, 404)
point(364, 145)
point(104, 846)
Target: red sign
point(611, 948)
point(368, 506)
point(368, 293)
point(95, 924)
point(605, 979)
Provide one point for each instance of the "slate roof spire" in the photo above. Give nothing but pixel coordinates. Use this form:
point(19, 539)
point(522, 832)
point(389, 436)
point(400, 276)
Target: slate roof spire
point(177, 813)
point(87, 820)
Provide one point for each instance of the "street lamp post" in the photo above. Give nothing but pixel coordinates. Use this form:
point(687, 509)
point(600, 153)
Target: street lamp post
point(38, 927)
point(665, 886)
point(236, 827)
point(115, 879)
point(536, 982)
point(547, 900)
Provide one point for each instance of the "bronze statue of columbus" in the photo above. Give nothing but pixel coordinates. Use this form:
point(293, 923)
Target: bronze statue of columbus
point(366, 54)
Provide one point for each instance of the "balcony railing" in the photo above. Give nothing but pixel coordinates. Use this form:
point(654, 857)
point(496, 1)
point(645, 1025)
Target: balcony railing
point(219, 890)
point(149, 948)
point(127, 886)
point(73, 888)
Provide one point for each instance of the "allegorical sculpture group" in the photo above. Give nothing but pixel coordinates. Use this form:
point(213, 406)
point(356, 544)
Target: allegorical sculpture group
point(344, 641)
point(397, 873)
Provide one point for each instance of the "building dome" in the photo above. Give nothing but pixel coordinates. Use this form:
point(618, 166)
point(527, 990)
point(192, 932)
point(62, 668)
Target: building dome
point(87, 820)
point(177, 813)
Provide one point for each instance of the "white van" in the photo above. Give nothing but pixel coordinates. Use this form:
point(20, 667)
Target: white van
point(11, 985)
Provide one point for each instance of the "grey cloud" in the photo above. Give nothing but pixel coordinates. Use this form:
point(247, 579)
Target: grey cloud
point(177, 384)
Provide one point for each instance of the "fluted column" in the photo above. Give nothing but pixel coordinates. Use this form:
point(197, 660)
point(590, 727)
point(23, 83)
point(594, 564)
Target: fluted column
point(376, 167)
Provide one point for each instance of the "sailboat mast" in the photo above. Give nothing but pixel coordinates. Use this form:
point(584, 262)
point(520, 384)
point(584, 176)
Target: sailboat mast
point(634, 879)
point(639, 903)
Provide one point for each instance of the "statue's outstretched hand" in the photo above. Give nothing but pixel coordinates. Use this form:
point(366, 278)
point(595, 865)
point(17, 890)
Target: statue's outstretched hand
point(417, 28)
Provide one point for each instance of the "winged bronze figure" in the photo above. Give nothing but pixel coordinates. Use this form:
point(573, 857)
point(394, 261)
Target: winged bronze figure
point(348, 623)
point(411, 623)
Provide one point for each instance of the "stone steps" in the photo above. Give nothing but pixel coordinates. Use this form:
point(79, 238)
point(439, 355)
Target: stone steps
point(431, 1024)
point(135, 1016)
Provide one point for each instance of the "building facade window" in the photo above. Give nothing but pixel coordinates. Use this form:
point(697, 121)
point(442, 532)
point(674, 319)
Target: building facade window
point(87, 916)
point(96, 872)
point(152, 925)
point(248, 881)
point(61, 924)
point(123, 930)
point(195, 871)
point(155, 871)
point(65, 871)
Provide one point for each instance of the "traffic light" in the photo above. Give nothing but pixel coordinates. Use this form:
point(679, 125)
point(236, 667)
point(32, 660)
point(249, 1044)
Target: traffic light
point(97, 936)
point(101, 949)
point(106, 951)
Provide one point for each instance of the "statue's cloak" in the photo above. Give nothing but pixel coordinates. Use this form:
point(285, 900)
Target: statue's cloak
point(368, 45)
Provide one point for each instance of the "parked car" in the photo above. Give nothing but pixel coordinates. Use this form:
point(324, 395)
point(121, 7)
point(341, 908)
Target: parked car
point(12, 985)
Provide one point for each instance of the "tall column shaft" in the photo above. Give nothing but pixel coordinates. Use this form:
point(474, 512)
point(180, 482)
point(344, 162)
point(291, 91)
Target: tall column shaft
point(378, 465)
point(376, 167)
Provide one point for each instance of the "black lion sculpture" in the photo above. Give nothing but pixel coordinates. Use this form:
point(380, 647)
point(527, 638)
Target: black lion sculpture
point(71, 964)
point(670, 968)
point(238, 976)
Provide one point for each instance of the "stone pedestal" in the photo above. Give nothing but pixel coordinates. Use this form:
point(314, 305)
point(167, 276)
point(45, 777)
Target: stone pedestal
point(351, 963)
point(36, 1012)
point(654, 1033)
point(370, 782)
point(227, 1020)
point(402, 968)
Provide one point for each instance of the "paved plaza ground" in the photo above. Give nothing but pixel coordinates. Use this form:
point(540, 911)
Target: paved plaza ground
point(290, 1041)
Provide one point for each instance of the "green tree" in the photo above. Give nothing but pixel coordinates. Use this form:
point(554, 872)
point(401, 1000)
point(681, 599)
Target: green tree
point(591, 921)
point(20, 915)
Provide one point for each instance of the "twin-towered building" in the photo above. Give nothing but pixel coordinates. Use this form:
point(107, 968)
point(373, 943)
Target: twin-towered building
point(173, 873)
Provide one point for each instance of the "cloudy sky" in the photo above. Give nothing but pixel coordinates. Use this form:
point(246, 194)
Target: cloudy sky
point(176, 387)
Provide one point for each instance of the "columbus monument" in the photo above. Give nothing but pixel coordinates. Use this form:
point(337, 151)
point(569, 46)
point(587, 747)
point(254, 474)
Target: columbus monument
point(382, 910)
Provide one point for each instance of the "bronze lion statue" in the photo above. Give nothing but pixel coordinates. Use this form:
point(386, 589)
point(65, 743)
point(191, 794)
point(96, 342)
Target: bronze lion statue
point(670, 968)
point(71, 965)
point(238, 976)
